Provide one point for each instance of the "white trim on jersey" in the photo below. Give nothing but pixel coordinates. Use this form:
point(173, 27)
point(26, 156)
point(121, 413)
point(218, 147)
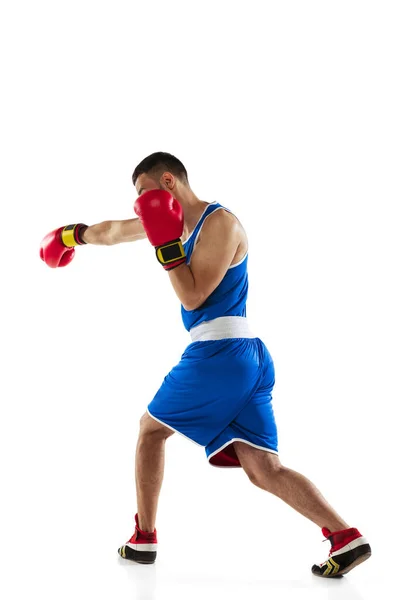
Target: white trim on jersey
point(198, 233)
point(239, 263)
point(202, 215)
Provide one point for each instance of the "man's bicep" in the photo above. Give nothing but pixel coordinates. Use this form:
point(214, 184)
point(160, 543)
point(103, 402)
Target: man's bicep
point(213, 255)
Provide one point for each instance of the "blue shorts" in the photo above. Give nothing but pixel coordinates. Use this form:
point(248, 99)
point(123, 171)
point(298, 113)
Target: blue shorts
point(220, 392)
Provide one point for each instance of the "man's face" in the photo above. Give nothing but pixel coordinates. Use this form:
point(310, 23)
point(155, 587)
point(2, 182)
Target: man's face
point(144, 183)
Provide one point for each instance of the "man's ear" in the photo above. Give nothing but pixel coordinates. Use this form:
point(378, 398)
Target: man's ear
point(167, 181)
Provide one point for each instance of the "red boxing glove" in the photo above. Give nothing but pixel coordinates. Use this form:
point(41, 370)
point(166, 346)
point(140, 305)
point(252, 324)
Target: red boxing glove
point(57, 248)
point(162, 218)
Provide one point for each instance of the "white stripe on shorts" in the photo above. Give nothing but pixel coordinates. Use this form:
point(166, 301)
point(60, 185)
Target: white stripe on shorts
point(220, 329)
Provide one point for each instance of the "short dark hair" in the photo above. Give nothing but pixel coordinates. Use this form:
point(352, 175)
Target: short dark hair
point(160, 162)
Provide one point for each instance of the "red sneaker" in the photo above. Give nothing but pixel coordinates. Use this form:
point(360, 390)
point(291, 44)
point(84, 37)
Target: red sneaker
point(142, 547)
point(349, 549)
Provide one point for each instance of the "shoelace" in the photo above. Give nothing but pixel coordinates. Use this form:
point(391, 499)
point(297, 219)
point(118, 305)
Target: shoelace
point(330, 551)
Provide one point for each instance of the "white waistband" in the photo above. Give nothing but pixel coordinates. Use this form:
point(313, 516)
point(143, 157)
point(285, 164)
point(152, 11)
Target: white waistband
point(220, 329)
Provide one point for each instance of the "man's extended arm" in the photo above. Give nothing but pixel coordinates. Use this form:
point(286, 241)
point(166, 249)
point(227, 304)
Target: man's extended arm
point(57, 248)
point(109, 233)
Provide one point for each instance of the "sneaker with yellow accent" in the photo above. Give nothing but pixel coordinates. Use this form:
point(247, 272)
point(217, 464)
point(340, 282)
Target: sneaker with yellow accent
point(348, 549)
point(142, 547)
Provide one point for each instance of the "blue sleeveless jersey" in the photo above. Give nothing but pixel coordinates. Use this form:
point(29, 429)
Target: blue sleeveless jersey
point(221, 389)
point(229, 297)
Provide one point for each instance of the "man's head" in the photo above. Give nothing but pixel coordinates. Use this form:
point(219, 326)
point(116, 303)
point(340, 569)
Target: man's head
point(161, 171)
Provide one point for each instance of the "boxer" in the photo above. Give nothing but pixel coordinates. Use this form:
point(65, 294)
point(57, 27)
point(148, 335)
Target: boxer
point(220, 393)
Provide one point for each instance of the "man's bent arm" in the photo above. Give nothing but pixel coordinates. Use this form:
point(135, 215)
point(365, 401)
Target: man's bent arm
point(109, 233)
point(210, 261)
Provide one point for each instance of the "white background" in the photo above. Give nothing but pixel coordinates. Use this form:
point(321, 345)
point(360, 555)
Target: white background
point(286, 112)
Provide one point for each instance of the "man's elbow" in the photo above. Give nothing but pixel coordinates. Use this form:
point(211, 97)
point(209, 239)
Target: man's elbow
point(193, 302)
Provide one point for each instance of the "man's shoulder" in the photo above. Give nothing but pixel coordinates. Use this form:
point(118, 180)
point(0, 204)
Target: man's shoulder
point(221, 222)
point(220, 214)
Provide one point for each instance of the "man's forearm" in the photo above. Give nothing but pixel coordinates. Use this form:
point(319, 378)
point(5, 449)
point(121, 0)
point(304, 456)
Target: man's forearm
point(98, 234)
point(109, 233)
point(184, 285)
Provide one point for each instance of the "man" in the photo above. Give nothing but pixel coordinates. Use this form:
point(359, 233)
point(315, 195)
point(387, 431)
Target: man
point(220, 393)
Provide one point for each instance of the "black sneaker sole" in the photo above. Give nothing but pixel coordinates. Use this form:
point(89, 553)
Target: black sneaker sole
point(358, 561)
point(359, 555)
point(144, 558)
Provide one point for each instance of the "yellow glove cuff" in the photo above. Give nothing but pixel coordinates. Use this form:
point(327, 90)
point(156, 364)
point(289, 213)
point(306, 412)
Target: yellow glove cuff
point(71, 235)
point(170, 252)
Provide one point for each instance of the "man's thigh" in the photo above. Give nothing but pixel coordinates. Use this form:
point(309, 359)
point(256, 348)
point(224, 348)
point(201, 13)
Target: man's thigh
point(255, 461)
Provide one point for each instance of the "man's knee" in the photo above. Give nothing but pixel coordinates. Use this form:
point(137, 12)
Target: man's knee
point(261, 467)
point(149, 427)
point(265, 477)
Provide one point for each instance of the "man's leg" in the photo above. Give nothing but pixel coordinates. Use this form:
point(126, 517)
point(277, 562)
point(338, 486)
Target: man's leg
point(348, 547)
point(150, 455)
point(265, 470)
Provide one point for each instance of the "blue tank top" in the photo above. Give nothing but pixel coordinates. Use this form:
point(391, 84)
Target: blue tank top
point(229, 297)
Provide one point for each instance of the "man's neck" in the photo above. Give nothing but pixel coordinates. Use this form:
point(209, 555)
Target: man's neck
point(192, 209)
